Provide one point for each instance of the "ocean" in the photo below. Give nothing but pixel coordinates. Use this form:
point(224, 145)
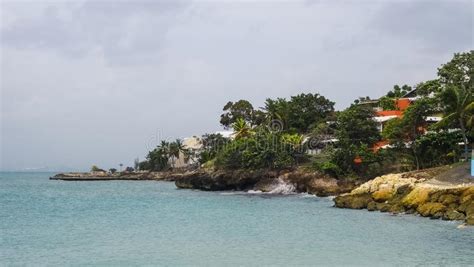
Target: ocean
point(125, 223)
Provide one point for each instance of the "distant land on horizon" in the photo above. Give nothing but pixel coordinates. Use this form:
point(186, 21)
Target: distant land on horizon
point(44, 169)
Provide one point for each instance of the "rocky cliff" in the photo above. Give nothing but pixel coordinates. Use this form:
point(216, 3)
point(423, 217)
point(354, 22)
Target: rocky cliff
point(428, 193)
point(265, 181)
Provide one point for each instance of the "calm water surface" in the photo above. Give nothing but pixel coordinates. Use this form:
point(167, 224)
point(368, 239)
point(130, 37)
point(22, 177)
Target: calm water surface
point(45, 222)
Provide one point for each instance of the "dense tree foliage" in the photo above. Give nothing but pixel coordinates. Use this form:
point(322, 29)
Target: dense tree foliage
point(457, 78)
point(357, 132)
point(404, 132)
point(301, 112)
point(164, 156)
point(264, 149)
point(348, 142)
point(241, 110)
point(211, 145)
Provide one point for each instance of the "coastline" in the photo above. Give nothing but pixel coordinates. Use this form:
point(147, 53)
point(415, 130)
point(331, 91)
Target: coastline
point(425, 193)
point(122, 176)
point(266, 181)
point(437, 193)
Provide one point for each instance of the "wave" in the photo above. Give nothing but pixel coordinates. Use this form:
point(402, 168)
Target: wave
point(283, 188)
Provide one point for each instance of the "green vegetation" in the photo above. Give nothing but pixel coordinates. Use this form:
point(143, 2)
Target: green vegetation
point(94, 168)
point(345, 143)
point(263, 149)
point(211, 145)
point(452, 96)
point(164, 156)
point(301, 113)
point(387, 102)
point(357, 132)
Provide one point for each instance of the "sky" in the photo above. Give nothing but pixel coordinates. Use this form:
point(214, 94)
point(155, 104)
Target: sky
point(101, 82)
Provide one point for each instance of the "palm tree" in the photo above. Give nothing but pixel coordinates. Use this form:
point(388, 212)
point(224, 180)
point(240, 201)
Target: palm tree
point(241, 129)
point(459, 111)
point(175, 149)
point(159, 156)
point(277, 110)
point(296, 143)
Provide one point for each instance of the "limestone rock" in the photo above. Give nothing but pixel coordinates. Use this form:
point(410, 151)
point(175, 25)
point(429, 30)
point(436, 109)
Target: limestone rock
point(452, 214)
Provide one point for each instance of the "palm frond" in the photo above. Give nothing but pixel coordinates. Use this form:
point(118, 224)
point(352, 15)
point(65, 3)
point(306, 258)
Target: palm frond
point(445, 121)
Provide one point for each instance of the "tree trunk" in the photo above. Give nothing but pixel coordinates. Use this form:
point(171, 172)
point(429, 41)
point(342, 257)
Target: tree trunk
point(464, 137)
point(413, 147)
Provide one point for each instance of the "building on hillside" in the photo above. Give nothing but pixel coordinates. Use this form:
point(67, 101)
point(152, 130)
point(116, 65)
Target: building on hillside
point(401, 105)
point(194, 146)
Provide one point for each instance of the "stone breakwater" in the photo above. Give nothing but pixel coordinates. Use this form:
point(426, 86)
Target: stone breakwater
point(264, 181)
point(103, 176)
point(408, 193)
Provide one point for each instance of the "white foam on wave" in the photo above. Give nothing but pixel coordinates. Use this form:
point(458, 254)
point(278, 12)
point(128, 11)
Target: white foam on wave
point(283, 188)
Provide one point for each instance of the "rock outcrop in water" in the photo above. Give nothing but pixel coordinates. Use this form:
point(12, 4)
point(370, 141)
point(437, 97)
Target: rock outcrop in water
point(413, 193)
point(265, 181)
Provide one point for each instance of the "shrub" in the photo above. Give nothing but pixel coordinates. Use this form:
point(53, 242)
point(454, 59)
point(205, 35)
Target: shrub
point(329, 168)
point(264, 149)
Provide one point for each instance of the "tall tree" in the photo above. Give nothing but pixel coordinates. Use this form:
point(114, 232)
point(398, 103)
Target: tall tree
point(211, 145)
point(176, 149)
point(301, 113)
point(241, 109)
point(403, 132)
point(158, 158)
point(357, 132)
point(307, 110)
point(456, 77)
point(356, 125)
point(278, 109)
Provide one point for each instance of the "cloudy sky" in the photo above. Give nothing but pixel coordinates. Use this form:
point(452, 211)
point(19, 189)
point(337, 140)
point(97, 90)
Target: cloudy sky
point(98, 82)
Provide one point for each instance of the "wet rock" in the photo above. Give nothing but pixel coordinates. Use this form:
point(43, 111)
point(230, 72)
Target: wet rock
point(372, 206)
point(383, 207)
point(431, 209)
point(352, 201)
point(452, 214)
point(470, 220)
point(397, 208)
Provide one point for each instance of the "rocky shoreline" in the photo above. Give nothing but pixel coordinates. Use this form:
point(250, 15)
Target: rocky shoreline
point(439, 193)
point(239, 180)
point(421, 193)
point(265, 181)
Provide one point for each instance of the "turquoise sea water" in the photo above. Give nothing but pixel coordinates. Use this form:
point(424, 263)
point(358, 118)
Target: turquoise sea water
point(45, 222)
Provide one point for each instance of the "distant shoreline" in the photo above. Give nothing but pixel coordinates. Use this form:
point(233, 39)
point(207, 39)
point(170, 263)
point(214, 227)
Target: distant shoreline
point(120, 176)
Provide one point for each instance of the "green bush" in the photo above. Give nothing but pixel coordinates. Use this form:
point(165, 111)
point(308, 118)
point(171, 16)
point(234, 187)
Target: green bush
point(264, 149)
point(329, 168)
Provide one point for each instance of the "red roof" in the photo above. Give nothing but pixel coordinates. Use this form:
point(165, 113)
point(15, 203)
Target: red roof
point(390, 113)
